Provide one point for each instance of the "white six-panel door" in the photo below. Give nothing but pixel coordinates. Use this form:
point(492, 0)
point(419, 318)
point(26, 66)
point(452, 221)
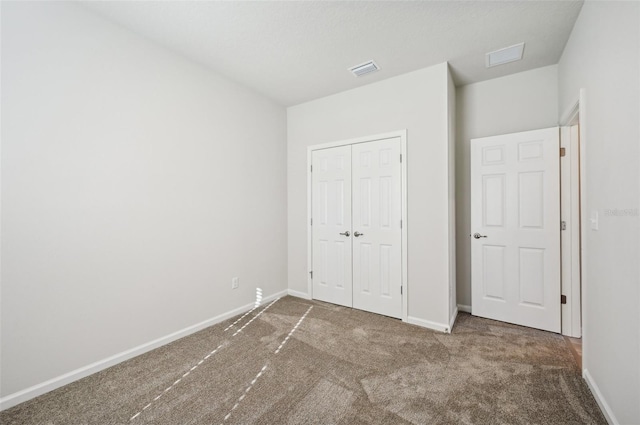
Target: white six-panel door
point(515, 226)
point(357, 254)
point(377, 238)
point(331, 250)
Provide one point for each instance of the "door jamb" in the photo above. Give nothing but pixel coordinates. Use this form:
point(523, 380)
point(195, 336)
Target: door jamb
point(577, 114)
point(402, 134)
point(570, 233)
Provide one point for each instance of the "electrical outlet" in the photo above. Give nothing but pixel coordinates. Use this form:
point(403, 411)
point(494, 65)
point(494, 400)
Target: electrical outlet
point(235, 283)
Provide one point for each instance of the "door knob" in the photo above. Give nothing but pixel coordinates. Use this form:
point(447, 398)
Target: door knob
point(478, 235)
point(346, 233)
point(356, 234)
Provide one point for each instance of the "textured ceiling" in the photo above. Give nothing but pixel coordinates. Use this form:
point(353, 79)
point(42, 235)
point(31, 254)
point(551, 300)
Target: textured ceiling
point(294, 52)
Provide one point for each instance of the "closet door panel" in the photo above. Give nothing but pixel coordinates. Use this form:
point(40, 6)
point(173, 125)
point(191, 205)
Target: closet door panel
point(377, 234)
point(331, 229)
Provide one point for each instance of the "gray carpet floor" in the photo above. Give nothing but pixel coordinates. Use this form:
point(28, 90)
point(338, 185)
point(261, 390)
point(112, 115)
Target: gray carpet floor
point(307, 362)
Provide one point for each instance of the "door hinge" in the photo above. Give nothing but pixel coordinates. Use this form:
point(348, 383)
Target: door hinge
point(312, 221)
point(400, 290)
point(563, 151)
point(311, 168)
point(400, 157)
point(563, 225)
point(563, 299)
point(401, 224)
point(311, 273)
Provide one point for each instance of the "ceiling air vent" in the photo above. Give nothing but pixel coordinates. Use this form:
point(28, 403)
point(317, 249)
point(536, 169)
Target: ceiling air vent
point(364, 68)
point(506, 55)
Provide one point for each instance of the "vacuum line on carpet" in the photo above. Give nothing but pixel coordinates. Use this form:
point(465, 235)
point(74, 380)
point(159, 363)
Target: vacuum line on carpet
point(293, 330)
point(256, 305)
point(243, 316)
point(203, 359)
point(255, 317)
point(166, 390)
point(235, 406)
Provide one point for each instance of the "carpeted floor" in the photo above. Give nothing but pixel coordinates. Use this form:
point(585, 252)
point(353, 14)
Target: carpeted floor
point(333, 366)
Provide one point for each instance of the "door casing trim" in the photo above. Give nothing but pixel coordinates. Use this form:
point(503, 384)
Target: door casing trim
point(577, 114)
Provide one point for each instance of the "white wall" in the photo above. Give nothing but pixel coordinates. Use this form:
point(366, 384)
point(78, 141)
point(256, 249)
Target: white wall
point(518, 102)
point(135, 185)
point(451, 136)
point(602, 56)
point(416, 101)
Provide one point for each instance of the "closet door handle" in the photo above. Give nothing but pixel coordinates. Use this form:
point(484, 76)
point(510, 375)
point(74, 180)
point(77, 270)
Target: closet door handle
point(356, 234)
point(346, 233)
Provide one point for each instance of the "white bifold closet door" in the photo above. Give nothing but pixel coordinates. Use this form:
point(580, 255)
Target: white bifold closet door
point(331, 215)
point(357, 237)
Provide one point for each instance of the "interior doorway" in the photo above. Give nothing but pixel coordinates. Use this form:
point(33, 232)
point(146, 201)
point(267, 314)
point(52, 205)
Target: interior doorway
point(574, 139)
point(490, 292)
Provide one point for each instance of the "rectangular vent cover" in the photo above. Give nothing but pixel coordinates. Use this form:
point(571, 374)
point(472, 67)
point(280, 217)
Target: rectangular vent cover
point(364, 68)
point(506, 55)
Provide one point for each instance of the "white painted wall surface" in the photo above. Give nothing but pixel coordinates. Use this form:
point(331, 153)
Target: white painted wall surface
point(135, 185)
point(416, 101)
point(451, 130)
point(518, 102)
point(602, 56)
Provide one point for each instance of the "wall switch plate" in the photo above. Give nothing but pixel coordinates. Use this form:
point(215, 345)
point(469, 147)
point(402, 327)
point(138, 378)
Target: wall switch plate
point(235, 283)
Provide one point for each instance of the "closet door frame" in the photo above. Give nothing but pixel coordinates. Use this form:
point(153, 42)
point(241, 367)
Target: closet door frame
point(402, 134)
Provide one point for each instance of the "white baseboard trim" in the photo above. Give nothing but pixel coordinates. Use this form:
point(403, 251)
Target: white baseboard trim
point(299, 294)
point(62, 380)
point(453, 319)
point(429, 324)
point(464, 308)
point(604, 406)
